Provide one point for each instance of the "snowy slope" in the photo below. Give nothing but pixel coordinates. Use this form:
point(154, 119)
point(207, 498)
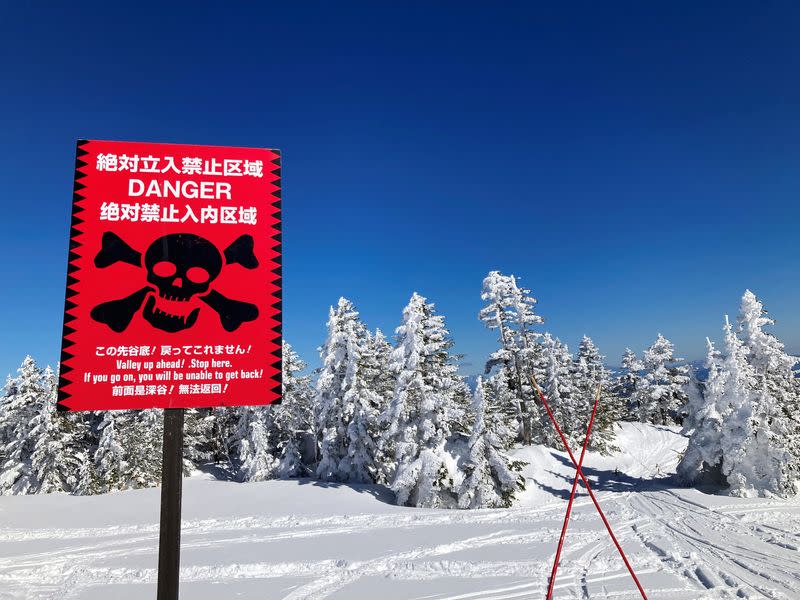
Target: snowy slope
point(306, 540)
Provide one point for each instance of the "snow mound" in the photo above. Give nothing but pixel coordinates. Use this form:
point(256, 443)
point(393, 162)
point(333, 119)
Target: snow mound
point(647, 454)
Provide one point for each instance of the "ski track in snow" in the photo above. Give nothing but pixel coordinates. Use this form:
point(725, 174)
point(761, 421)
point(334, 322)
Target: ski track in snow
point(683, 545)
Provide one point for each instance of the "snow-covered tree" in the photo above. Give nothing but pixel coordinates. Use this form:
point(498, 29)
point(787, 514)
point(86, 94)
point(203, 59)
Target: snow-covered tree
point(197, 436)
point(369, 398)
point(294, 418)
point(589, 372)
point(693, 410)
point(25, 400)
point(742, 435)
point(737, 409)
point(703, 456)
point(61, 443)
point(344, 403)
point(509, 308)
point(660, 391)
point(128, 454)
point(500, 406)
point(422, 408)
point(256, 449)
point(109, 458)
point(380, 379)
point(556, 382)
point(778, 387)
point(624, 386)
point(491, 479)
point(222, 426)
point(145, 448)
point(9, 392)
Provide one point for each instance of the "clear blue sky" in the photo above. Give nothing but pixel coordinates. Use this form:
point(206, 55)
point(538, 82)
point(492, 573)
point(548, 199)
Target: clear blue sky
point(637, 165)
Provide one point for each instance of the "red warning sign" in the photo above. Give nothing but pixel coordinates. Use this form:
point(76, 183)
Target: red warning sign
point(174, 278)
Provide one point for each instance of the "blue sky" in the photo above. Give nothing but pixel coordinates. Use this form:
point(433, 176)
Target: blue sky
point(638, 166)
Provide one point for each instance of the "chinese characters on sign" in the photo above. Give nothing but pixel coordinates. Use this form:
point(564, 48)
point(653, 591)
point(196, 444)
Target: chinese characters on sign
point(174, 278)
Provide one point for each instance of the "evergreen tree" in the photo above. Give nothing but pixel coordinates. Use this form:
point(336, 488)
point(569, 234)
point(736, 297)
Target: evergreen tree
point(703, 456)
point(197, 438)
point(294, 417)
point(589, 372)
point(256, 451)
point(6, 431)
point(510, 309)
point(737, 409)
point(222, 425)
point(144, 448)
point(660, 392)
point(624, 387)
point(381, 380)
point(337, 390)
point(695, 401)
point(557, 387)
point(110, 465)
point(492, 479)
point(128, 454)
point(362, 464)
point(741, 435)
point(61, 443)
point(777, 398)
point(425, 394)
point(17, 419)
point(501, 408)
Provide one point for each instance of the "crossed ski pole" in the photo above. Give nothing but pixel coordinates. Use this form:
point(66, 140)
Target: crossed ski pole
point(572, 496)
point(579, 473)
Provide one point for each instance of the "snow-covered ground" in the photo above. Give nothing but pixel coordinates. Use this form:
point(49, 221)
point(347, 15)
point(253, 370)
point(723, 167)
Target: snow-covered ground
point(303, 539)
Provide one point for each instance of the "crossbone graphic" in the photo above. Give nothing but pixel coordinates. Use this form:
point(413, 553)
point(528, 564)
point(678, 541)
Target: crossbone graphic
point(180, 268)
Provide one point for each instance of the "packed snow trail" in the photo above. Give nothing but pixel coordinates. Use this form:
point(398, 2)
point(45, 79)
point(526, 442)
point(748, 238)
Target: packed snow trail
point(298, 540)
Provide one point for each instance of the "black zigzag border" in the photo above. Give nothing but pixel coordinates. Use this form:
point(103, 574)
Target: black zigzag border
point(278, 295)
point(72, 269)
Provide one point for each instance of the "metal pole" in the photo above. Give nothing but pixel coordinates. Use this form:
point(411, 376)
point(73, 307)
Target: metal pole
point(169, 542)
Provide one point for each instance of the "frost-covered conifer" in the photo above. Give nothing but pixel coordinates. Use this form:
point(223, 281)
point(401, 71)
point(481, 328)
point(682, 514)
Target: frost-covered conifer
point(223, 425)
point(624, 386)
point(660, 392)
point(778, 387)
point(557, 386)
point(417, 417)
point(589, 372)
point(695, 387)
point(338, 391)
point(364, 462)
point(110, 463)
point(741, 435)
point(256, 450)
point(197, 435)
point(737, 409)
point(500, 406)
point(61, 443)
point(491, 479)
point(510, 309)
point(9, 392)
point(381, 380)
point(294, 417)
point(144, 445)
point(703, 456)
point(128, 454)
point(27, 396)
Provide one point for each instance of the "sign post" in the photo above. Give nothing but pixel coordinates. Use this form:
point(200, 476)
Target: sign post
point(169, 542)
point(173, 293)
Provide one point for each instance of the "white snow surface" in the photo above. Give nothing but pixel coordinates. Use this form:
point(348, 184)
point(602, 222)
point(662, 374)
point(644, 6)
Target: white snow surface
point(308, 540)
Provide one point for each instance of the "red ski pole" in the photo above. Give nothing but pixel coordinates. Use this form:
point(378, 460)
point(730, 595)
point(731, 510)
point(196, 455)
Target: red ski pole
point(588, 487)
point(572, 496)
